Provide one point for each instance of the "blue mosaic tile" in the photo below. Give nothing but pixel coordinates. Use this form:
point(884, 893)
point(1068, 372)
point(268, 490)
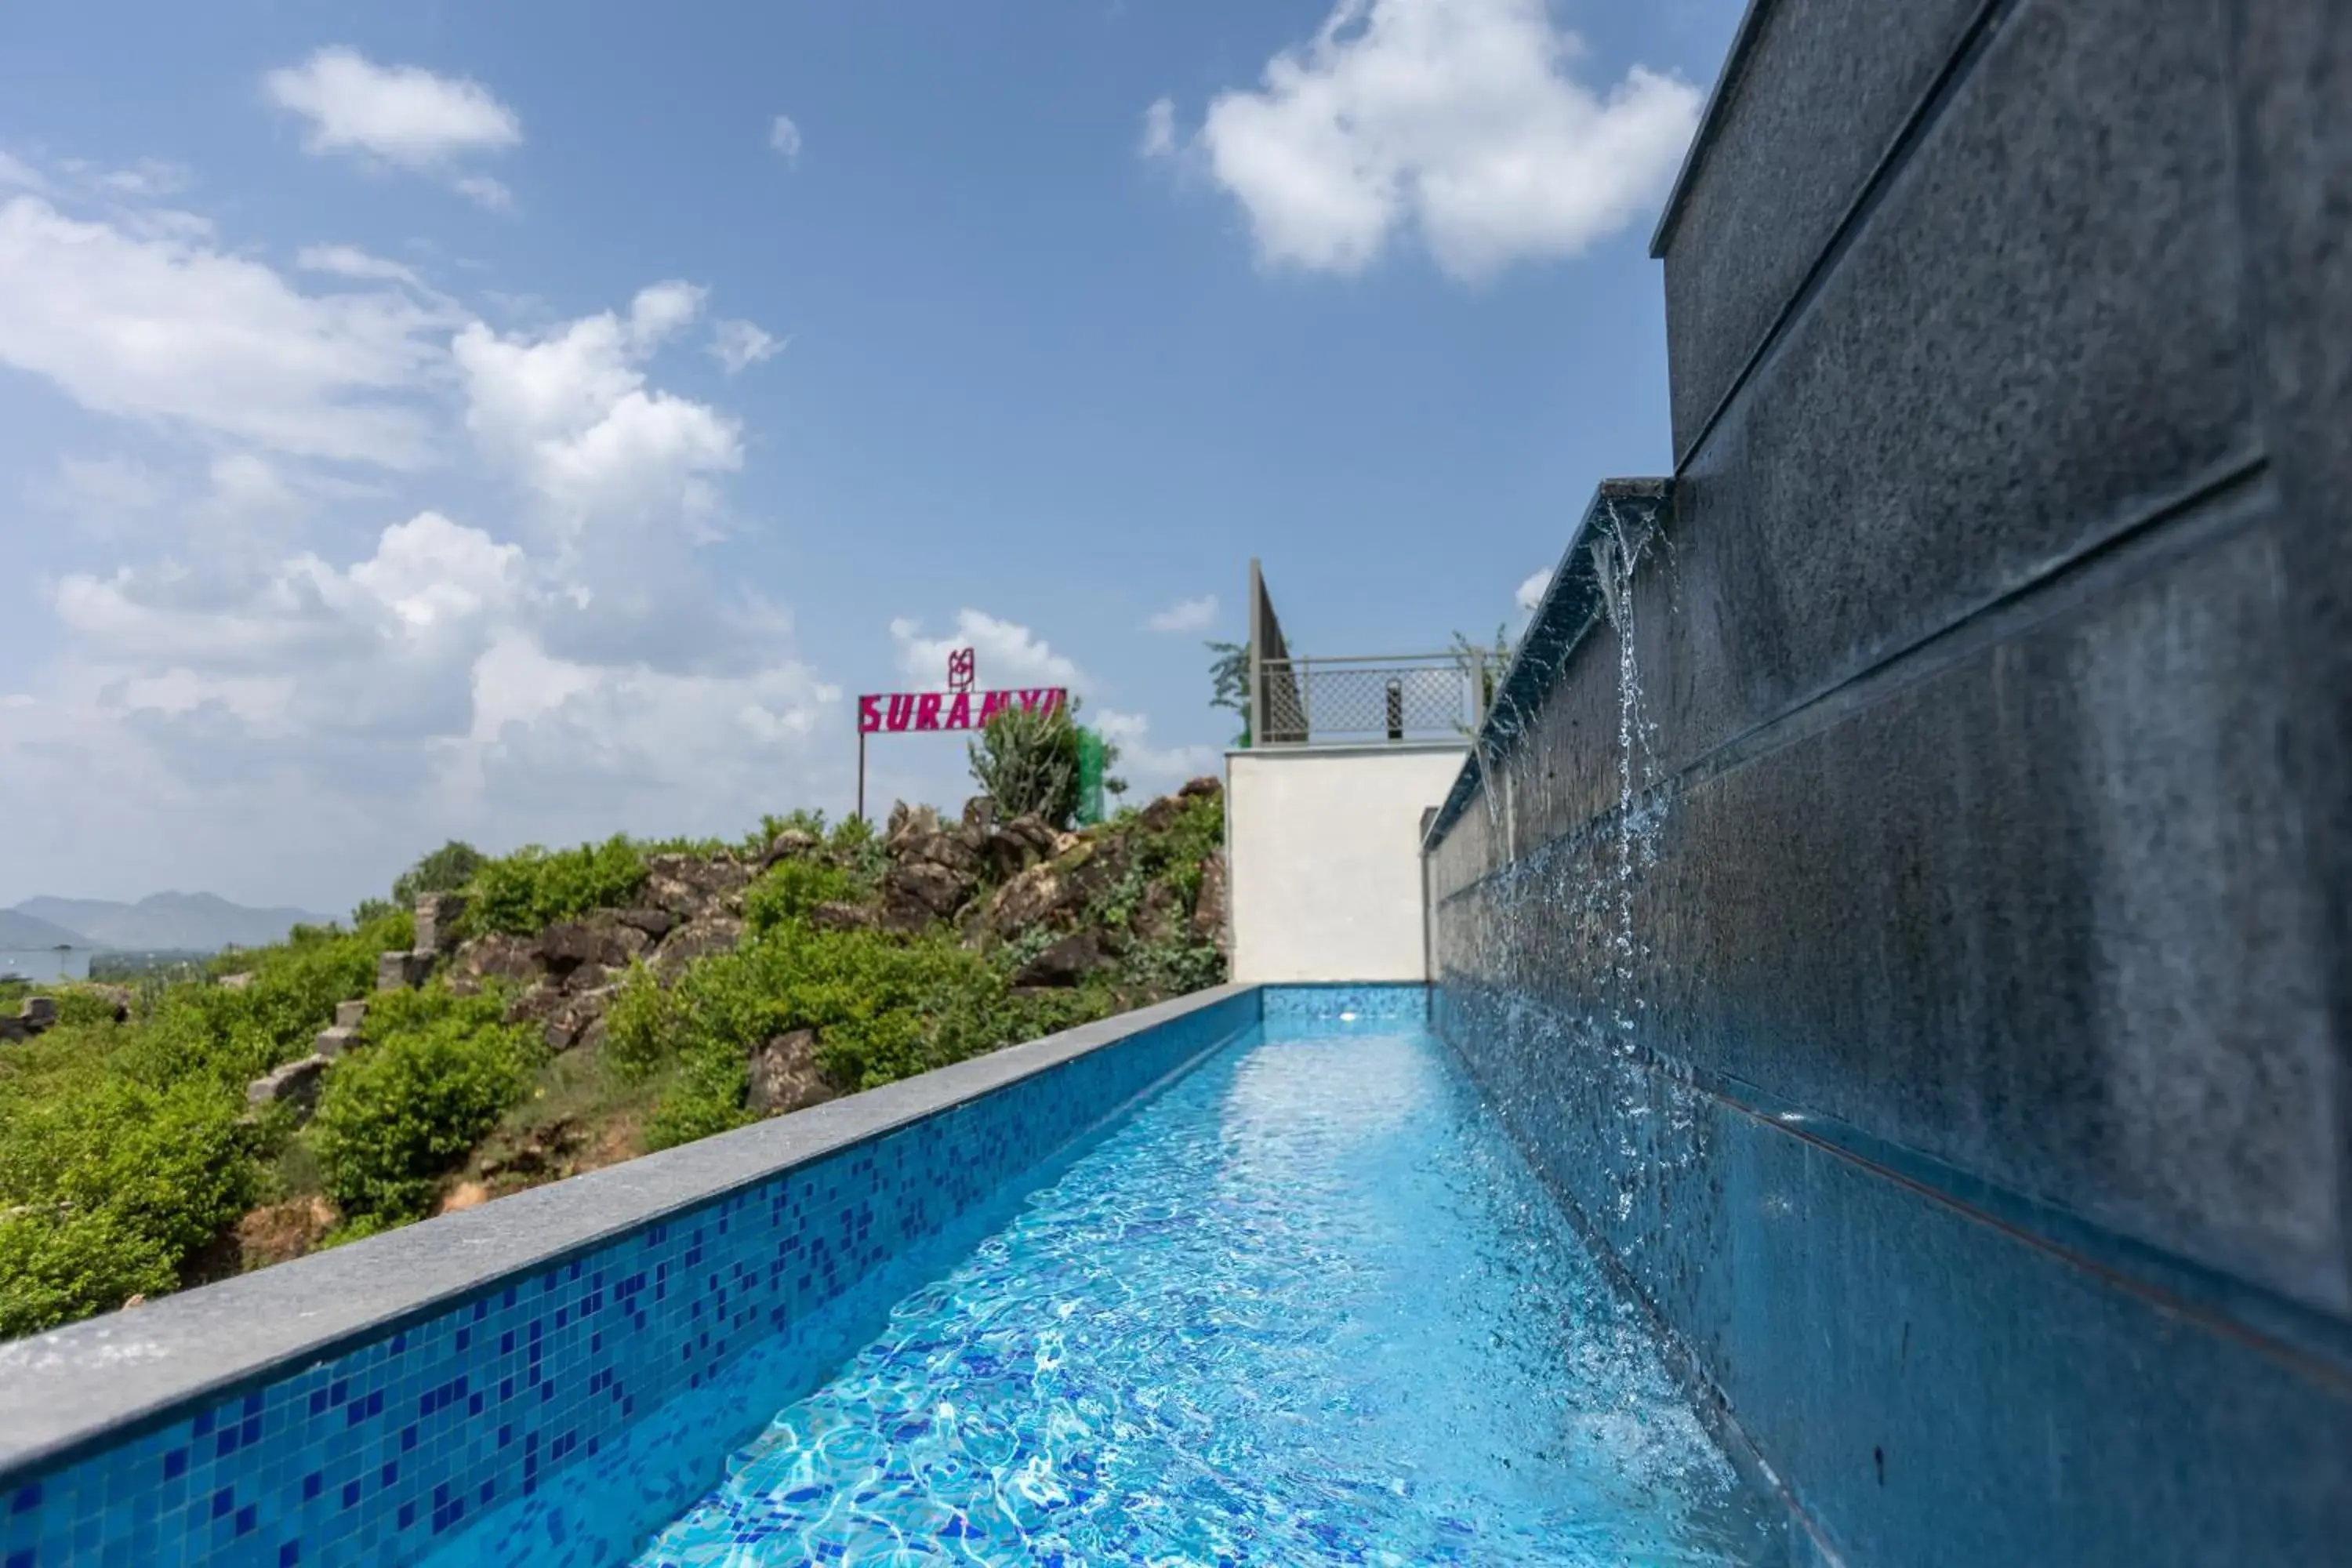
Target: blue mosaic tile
point(1288, 1005)
point(388, 1452)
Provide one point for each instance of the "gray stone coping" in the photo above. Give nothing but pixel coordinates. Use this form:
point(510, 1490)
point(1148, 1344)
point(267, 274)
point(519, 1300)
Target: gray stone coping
point(92, 1383)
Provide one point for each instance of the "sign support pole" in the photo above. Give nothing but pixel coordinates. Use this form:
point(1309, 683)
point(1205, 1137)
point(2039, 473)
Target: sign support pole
point(861, 775)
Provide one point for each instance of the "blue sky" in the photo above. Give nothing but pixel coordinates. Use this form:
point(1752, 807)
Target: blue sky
point(524, 421)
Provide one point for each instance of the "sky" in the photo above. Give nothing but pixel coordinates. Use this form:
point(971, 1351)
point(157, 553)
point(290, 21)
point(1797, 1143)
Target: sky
point(526, 422)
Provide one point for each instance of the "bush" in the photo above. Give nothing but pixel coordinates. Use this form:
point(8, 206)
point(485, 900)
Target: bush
point(790, 889)
point(533, 888)
point(448, 869)
point(397, 1116)
point(1027, 760)
point(109, 1184)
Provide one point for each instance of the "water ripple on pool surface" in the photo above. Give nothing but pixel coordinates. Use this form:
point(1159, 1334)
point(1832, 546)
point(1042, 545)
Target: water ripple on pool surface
point(1305, 1307)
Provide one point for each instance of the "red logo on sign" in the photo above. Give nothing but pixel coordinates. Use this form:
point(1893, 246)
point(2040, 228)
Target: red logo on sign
point(959, 669)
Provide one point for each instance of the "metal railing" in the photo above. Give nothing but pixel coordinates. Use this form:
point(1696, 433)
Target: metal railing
point(1369, 698)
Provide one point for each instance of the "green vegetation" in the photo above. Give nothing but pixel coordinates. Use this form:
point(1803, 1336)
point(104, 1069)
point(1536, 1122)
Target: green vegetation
point(533, 889)
point(1027, 760)
point(131, 1162)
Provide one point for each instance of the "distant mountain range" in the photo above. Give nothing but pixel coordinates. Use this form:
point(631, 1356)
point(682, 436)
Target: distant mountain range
point(183, 923)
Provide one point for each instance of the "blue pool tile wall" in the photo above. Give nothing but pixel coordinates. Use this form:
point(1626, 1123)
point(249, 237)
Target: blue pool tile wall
point(1907, 921)
point(1366, 1003)
point(378, 1453)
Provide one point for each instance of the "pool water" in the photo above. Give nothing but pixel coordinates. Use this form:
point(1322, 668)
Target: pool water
point(1306, 1306)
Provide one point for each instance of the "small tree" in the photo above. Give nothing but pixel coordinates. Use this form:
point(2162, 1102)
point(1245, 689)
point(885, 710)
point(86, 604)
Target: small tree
point(1484, 665)
point(446, 870)
point(1228, 681)
point(1027, 760)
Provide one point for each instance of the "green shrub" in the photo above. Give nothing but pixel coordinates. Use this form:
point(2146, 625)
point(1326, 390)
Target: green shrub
point(533, 888)
point(106, 1186)
point(1027, 760)
point(400, 1115)
point(792, 887)
point(448, 869)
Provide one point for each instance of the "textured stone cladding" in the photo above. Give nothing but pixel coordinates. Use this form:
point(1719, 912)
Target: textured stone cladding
point(1950, 1044)
point(382, 1452)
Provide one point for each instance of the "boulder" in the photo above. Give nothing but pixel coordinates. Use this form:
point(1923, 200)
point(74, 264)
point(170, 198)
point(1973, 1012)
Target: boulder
point(402, 971)
point(494, 957)
point(118, 997)
point(1066, 962)
point(844, 917)
point(790, 844)
point(295, 1084)
point(1205, 785)
point(600, 940)
point(917, 893)
point(656, 924)
point(577, 1020)
point(15, 1028)
point(1027, 900)
point(1162, 813)
point(334, 1042)
point(908, 821)
point(40, 1012)
point(688, 886)
point(437, 920)
point(1160, 915)
point(1209, 908)
point(351, 1014)
point(951, 851)
point(695, 939)
point(980, 814)
point(784, 1076)
point(233, 981)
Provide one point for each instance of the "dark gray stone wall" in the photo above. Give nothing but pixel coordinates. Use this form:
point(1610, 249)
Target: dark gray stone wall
point(1952, 1045)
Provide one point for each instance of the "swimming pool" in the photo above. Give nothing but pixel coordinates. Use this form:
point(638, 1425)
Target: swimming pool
point(1306, 1305)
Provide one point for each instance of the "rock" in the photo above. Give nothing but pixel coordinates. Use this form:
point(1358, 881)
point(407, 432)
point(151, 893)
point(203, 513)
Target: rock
point(233, 981)
point(437, 920)
point(1161, 815)
point(908, 821)
point(695, 939)
point(278, 1233)
point(920, 891)
point(1160, 914)
point(536, 1005)
point(980, 814)
point(1028, 898)
point(39, 1012)
point(600, 940)
point(687, 885)
point(788, 844)
point(118, 997)
point(844, 917)
point(402, 971)
point(350, 1015)
point(784, 1076)
point(1205, 785)
point(494, 957)
point(15, 1028)
point(295, 1084)
point(949, 851)
point(1208, 909)
point(656, 924)
point(576, 1018)
point(334, 1042)
point(1066, 962)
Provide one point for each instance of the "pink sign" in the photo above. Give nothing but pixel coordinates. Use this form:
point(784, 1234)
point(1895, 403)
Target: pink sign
point(891, 711)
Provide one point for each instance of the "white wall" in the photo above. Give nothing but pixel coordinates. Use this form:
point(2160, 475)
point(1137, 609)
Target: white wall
point(1324, 850)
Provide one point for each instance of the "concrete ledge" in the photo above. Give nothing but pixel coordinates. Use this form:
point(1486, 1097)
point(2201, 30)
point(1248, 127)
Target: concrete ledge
point(97, 1383)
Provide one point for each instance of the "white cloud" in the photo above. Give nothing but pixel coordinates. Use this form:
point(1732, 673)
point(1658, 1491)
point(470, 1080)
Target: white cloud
point(1006, 653)
point(1531, 591)
point(349, 261)
point(402, 114)
point(1185, 616)
point(484, 192)
point(738, 345)
point(784, 137)
point(1456, 121)
point(159, 327)
point(1159, 129)
point(1146, 764)
point(15, 171)
point(570, 412)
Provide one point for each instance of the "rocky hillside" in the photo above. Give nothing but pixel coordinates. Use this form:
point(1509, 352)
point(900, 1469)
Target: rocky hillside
point(558, 1012)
